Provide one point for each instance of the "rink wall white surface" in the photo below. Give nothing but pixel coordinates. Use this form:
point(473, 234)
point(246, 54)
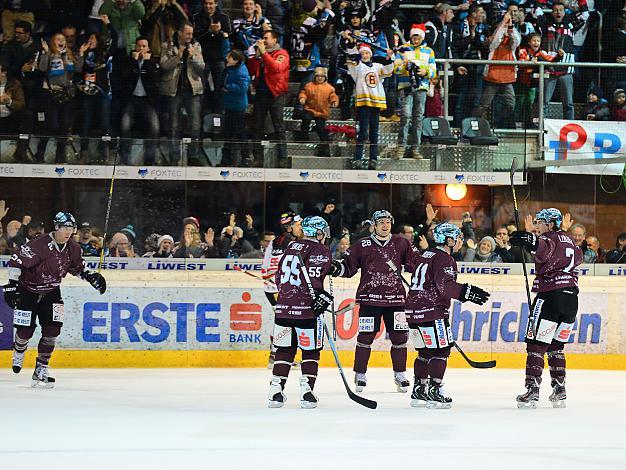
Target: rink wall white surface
point(179, 318)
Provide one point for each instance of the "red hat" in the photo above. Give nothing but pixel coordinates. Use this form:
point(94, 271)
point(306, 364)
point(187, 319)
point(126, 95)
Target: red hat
point(419, 30)
point(365, 46)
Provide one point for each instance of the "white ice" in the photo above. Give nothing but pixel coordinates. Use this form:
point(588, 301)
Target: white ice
point(218, 419)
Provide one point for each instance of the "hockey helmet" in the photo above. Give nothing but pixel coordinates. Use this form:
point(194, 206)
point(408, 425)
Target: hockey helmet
point(550, 215)
point(289, 217)
point(64, 219)
point(312, 226)
point(376, 216)
point(446, 230)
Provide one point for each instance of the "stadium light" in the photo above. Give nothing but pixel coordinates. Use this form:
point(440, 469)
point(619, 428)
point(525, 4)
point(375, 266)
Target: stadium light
point(456, 192)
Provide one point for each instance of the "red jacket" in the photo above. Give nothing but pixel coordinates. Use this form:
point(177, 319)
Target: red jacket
point(276, 72)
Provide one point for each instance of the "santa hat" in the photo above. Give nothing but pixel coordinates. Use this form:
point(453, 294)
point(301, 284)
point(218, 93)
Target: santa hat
point(162, 238)
point(419, 30)
point(366, 47)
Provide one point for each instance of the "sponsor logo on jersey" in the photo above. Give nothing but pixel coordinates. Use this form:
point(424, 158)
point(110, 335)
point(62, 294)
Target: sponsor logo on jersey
point(318, 259)
point(428, 340)
point(26, 252)
point(545, 332)
point(441, 333)
point(564, 334)
point(366, 324)
point(304, 340)
point(428, 254)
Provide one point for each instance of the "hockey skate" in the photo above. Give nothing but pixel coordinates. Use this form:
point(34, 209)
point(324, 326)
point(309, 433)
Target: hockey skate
point(308, 399)
point(531, 397)
point(276, 396)
point(402, 383)
point(558, 395)
point(436, 397)
point(18, 361)
point(419, 396)
point(41, 377)
point(360, 381)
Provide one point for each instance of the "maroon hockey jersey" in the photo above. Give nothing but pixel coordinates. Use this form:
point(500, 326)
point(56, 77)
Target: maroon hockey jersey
point(294, 297)
point(433, 285)
point(43, 265)
point(379, 285)
point(556, 259)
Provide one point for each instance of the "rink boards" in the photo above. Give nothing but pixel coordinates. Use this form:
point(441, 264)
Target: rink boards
point(221, 319)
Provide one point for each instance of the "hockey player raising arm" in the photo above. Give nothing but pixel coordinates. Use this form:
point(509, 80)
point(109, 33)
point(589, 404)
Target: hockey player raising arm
point(433, 285)
point(380, 295)
point(554, 308)
point(33, 291)
point(299, 315)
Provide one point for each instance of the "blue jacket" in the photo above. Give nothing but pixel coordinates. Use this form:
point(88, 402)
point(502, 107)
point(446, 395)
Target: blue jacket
point(236, 84)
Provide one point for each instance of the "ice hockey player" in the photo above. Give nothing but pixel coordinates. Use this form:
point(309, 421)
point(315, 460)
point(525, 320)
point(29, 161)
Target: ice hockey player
point(290, 223)
point(380, 295)
point(299, 313)
point(33, 292)
point(433, 285)
point(554, 308)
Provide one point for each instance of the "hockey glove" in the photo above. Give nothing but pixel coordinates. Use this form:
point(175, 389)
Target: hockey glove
point(12, 294)
point(96, 280)
point(335, 269)
point(474, 294)
point(321, 301)
point(527, 239)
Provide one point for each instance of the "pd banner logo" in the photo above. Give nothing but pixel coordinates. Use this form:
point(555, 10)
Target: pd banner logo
point(575, 140)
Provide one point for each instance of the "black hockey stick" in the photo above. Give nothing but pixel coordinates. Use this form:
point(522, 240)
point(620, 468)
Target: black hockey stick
point(371, 404)
point(516, 213)
point(475, 364)
point(108, 213)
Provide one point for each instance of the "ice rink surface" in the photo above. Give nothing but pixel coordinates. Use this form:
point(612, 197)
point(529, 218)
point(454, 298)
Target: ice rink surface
point(218, 419)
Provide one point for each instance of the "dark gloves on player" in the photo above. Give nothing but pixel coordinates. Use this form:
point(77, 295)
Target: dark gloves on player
point(12, 294)
point(527, 239)
point(96, 280)
point(321, 301)
point(335, 268)
point(474, 294)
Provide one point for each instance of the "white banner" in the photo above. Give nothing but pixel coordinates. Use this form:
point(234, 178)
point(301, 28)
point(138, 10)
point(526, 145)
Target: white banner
point(175, 318)
point(577, 140)
point(61, 171)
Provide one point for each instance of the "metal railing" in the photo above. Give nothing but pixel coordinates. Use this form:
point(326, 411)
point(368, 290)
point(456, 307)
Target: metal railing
point(542, 74)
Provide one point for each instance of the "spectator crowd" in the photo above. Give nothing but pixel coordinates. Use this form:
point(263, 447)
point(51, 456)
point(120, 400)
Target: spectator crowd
point(151, 69)
point(242, 238)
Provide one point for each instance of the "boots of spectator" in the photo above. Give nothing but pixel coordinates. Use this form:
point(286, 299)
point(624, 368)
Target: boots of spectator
point(41, 150)
point(59, 156)
point(323, 150)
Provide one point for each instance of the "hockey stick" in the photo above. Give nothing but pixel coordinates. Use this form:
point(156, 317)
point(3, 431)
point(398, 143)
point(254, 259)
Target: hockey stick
point(371, 404)
point(108, 212)
point(474, 364)
point(251, 274)
point(516, 213)
point(371, 44)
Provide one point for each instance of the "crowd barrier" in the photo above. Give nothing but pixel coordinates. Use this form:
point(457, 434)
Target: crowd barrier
point(222, 319)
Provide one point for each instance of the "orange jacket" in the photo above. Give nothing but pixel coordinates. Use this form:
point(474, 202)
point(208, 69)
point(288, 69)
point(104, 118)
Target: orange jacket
point(319, 98)
point(503, 45)
point(276, 64)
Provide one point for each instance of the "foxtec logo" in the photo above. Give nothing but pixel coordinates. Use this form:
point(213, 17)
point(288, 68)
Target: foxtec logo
point(59, 170)
point(143, 172)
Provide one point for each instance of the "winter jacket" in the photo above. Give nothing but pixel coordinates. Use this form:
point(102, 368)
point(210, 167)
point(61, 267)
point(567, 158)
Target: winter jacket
point(161, 23)
point(600, 109)
point(526, 73)
point(236, 84)
point(421, 56)
point(439, 38)
point(618, 113)
point(172, 65)
point(273, 11)
point(147, 70)
point(215, 46)
point(13, 88)
point(555, 36)
point(503, 45)
point(59, 68)
point(125, 23)
point(276, 70)
point(319, 97)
